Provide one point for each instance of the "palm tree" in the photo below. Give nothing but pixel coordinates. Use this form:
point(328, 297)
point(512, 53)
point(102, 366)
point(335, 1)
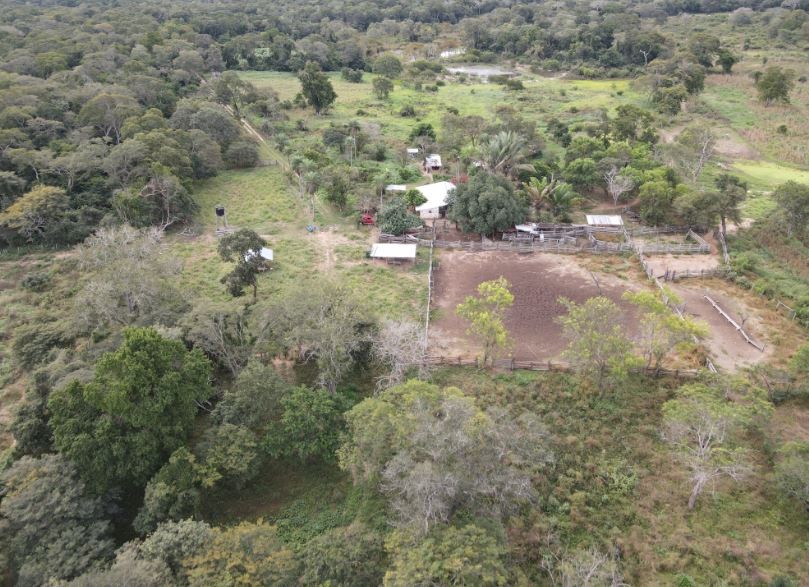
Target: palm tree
point(504, 152)
point(556, 195)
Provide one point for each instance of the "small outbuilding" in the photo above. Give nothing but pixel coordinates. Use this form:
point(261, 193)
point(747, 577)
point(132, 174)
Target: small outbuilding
point(393, 252)
point(412, 151)
point(604, 220)
point(433, 162)
point(395, 188)
point(436, 195)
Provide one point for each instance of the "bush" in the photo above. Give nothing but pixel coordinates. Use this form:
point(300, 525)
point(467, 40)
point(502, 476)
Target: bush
point(407, 112)
point(36, 281)
point(33, 342)
point(241, 154)
point(351, 75)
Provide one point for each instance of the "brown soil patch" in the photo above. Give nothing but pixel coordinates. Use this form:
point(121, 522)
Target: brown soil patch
point(682, 263)
point(734, 148)
point(327, 241)
point(728, 347)
point(537, 283)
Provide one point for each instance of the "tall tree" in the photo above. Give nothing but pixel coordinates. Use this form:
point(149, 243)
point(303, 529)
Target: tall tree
point(504, 152)
point(49, 526)
point(139, 407)
point(486, 204)
point(316, 87)
point(661, 330)
point(485, 314)
point(433, 452)
point(325, 323)
point(36, 214)
point(732, 192)
point(382, 87)
point(793, 203)
point(598, 348)
point(703, 425)
point(774, 85)
point(244, 248)
point(129, 278)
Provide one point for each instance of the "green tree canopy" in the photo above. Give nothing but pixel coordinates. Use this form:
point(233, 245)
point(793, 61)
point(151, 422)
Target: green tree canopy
point(486, 204)
point(448, 556)
point(774, 85)
point(246, 554)
point(394, 218)
point(311, 425)
point(316, 87)
point(139, 407)
point(434, 452)
point(485, 314)
point(598, 347)
point(382, 87)
point(49, 526)
point(244, 248)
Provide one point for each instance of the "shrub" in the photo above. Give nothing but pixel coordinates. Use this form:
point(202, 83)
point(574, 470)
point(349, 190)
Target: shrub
point(407, 112)
point(33, 342)
point(241, 154)
point(36, 281)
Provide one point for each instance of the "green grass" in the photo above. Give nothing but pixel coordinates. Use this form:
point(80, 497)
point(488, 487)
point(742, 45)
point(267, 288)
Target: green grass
point(767, 175)
point(258, 198)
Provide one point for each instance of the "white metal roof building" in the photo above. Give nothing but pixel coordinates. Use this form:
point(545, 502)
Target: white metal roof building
point(604, 220)
point(393, 251)
point(396, 187)
point(436, 194)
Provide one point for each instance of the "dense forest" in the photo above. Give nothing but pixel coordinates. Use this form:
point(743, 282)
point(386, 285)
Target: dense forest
point(179, 408)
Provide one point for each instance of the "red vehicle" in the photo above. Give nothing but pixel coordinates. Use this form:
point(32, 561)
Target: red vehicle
point(367, 219)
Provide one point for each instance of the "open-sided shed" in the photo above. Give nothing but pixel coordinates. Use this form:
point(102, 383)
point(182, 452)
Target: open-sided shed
point(604, 220)
point(393, 252)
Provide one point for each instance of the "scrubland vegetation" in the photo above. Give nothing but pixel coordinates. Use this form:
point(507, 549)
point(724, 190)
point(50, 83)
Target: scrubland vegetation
point(177, 409)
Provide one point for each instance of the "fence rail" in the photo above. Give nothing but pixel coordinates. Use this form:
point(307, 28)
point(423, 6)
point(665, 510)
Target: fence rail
point(546, 366)
point(563, 239)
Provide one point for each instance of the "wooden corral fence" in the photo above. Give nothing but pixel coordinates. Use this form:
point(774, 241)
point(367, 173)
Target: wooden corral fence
point(671, 275)
point(430, 285)
point(650, 274)
point(546, 366)
point(699, 247)
point(562, 238)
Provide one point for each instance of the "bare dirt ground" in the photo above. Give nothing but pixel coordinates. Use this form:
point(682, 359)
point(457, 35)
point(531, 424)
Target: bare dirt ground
point(327, 241)
point(537, 283)
point(681, 263)
point(728, 347)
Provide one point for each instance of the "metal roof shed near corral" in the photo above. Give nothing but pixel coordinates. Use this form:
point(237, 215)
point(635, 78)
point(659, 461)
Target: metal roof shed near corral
point(601, 220)
point(393, 251)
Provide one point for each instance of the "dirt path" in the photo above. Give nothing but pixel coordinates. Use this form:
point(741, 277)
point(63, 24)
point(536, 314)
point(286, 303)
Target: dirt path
point(327, 241)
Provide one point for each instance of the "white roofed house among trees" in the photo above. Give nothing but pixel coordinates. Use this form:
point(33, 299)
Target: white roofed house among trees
point(436, 194)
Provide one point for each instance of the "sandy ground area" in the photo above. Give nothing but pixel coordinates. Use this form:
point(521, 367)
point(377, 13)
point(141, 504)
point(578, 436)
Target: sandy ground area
point(728, 347)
